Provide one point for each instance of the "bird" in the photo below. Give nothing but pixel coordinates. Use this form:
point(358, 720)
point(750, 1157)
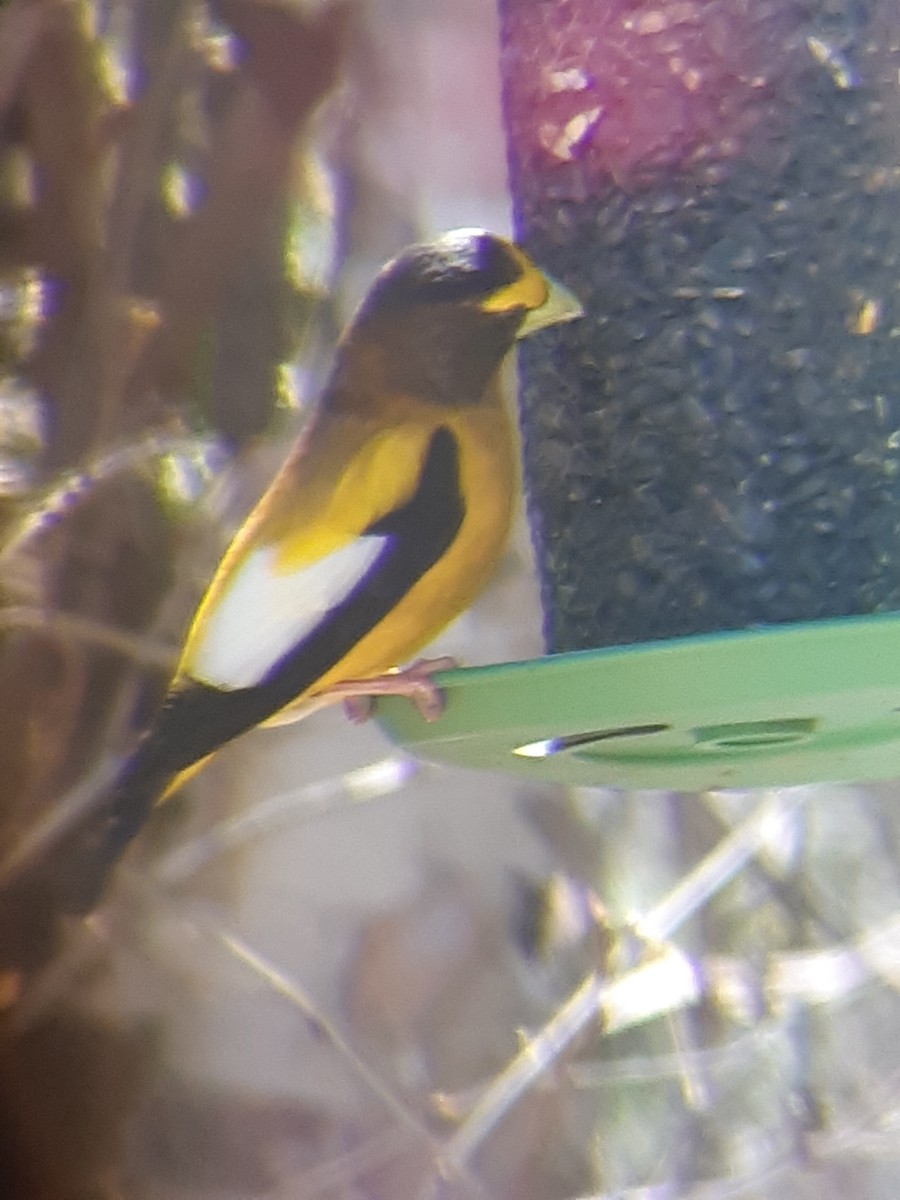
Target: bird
point(383, 524)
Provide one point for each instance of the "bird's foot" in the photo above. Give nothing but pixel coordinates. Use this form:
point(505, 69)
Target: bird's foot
point(415, 682)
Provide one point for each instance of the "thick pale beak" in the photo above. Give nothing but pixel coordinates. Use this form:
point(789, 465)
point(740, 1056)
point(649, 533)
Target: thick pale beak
point(560, 305)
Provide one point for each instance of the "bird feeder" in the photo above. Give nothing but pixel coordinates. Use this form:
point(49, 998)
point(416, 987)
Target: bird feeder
point(712, 455)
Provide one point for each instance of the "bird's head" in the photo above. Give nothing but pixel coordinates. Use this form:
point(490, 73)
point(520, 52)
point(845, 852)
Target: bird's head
point(447, 312)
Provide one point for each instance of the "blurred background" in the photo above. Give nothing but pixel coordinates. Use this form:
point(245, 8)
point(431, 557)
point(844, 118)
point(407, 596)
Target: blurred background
point(327, 970)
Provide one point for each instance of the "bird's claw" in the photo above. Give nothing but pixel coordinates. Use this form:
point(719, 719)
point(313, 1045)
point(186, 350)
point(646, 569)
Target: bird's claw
point(415, 682)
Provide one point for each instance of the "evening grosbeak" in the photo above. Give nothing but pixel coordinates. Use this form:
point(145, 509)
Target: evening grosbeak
point(384, 523)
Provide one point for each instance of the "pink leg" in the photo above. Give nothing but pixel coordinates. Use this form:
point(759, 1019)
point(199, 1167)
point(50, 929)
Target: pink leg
point(415, 682)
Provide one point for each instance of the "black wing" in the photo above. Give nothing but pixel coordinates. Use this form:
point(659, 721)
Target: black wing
point(197, 719)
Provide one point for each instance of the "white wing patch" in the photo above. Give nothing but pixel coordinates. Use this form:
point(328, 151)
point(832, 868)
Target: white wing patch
point(264, 612)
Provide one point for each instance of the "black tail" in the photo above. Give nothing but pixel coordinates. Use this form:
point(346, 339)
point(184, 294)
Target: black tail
point(84, 859)
point(69, 872)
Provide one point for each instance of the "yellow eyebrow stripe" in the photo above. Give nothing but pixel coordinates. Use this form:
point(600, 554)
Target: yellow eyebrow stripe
point(529, 291)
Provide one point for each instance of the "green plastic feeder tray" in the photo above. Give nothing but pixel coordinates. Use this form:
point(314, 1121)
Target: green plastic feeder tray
point(792, 704)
